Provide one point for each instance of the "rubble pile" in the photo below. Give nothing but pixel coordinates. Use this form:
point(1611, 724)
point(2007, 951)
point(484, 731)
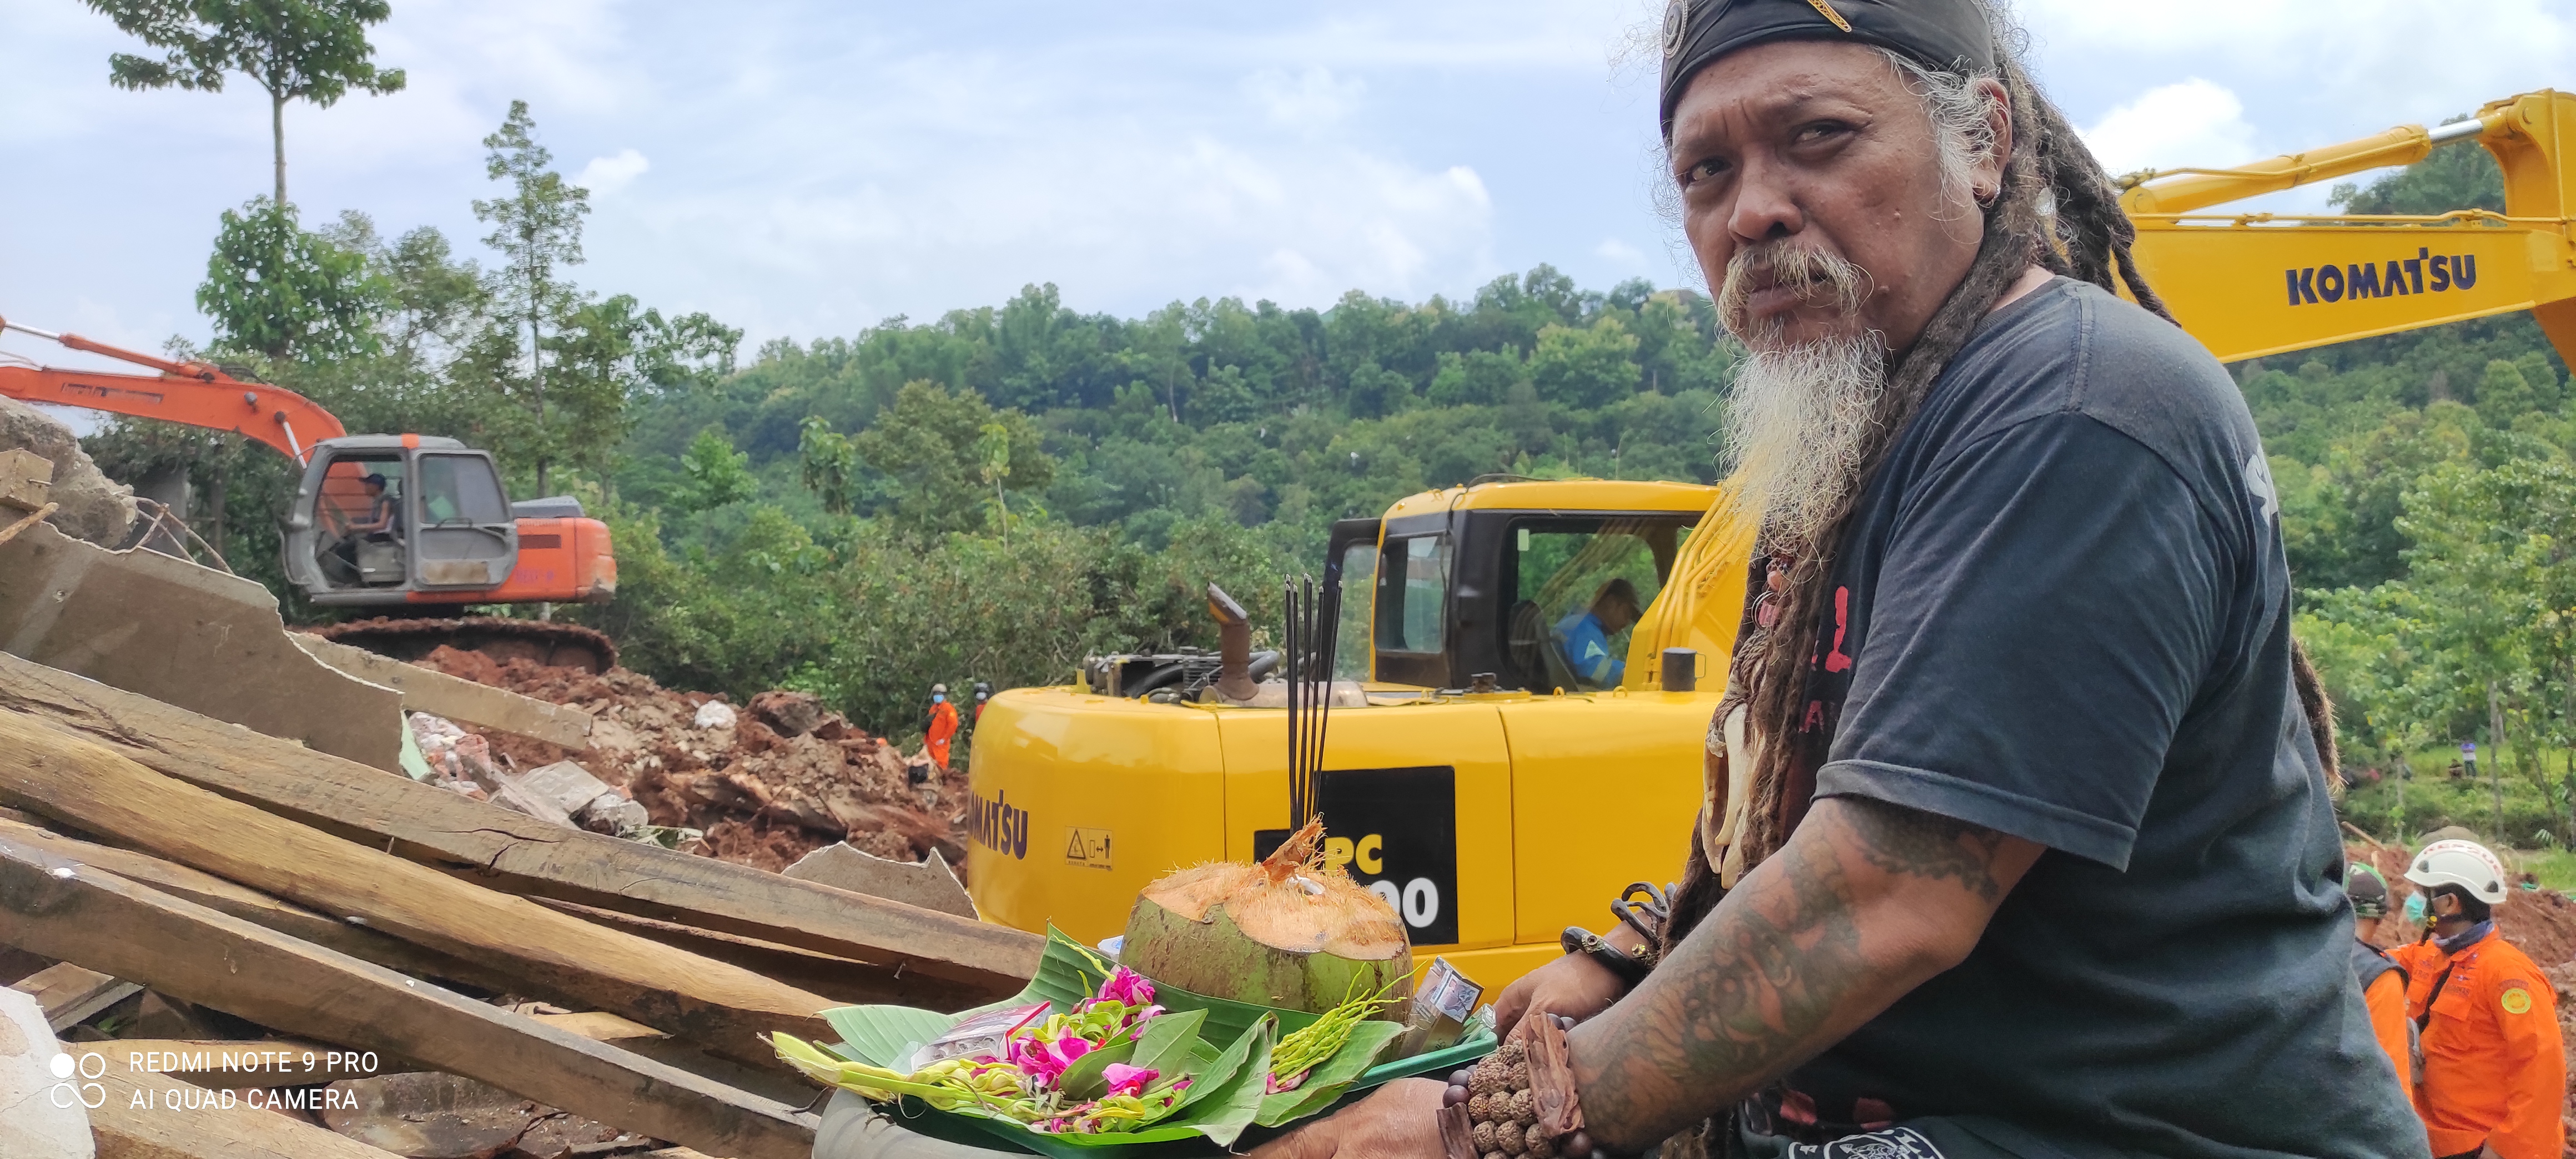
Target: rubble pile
point(765, 783)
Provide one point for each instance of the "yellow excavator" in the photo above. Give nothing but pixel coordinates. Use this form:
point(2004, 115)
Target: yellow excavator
point(1494, 786)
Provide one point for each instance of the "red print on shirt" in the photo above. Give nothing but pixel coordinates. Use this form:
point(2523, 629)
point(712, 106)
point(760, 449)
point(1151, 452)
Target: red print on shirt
point(1837, 662)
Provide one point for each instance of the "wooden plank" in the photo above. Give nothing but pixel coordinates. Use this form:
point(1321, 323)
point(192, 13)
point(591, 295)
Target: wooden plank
point(726, 1007)
point(523, 855)
point(151, 1116)
point(70, 993)
point(843, 980)
point(84, 914)
point(431, 691)
point(258, 908)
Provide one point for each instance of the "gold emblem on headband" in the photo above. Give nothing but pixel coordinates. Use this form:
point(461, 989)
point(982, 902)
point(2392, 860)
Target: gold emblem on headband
point(1676, 20)
point(1826, 7)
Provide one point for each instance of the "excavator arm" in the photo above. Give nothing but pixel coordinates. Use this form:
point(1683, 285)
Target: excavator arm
point(194, 393)
point(2253, 284)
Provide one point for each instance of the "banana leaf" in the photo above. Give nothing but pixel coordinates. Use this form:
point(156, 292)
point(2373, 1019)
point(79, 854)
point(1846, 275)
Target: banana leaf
point(1327, 1080)
point(884, 1035)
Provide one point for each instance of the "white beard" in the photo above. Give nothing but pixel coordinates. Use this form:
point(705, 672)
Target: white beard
point(1797, 425)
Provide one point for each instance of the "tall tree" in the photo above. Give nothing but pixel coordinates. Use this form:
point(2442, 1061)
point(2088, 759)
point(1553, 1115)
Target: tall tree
point(537, 229)
point(299, 50)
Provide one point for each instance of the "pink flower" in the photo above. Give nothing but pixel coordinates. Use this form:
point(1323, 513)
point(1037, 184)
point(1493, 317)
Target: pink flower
point(1128, 986)
point(1046, 1061)
point(1129, 1080)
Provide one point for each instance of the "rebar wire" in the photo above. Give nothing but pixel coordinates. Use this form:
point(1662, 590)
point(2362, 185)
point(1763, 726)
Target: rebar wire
point(166, 522)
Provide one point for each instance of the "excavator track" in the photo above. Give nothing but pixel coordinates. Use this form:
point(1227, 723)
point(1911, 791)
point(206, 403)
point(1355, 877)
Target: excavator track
point(544, 642)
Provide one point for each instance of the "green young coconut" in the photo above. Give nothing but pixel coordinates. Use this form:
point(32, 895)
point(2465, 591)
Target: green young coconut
point(1287, 933)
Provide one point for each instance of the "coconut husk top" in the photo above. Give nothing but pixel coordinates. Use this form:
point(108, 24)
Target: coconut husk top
point(1290, 900)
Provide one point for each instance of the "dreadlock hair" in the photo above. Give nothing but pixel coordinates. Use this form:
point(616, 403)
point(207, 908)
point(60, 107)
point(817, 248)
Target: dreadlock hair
point(2055, 207)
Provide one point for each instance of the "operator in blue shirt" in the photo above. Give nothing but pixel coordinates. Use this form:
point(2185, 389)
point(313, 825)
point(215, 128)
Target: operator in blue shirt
point(1585, 635)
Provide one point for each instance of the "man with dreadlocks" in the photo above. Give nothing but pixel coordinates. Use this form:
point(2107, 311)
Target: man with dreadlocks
point(2017, 837)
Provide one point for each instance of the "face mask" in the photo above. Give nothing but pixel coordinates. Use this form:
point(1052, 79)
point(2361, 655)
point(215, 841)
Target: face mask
point(939, 698)
point(2415, 908)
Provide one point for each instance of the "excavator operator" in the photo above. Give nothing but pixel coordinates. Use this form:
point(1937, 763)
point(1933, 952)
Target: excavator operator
point(2495, 1075)
point(2027, 848)
point(1584, 636)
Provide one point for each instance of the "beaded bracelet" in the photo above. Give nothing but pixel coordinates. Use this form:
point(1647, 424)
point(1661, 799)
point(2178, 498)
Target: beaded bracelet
point(1518, 1102)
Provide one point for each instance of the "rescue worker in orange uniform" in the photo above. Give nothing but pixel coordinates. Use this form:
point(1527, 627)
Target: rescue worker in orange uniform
point(2383, 981)
point(943, 726)
point(2494, 1077)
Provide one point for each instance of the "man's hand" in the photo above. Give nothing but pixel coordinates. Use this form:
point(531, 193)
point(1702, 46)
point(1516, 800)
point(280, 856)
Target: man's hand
point(1574, 985)
point(1399, 1121)
point(1866, 901)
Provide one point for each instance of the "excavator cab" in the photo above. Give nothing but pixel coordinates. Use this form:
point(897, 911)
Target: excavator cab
point(400, 519)
point(1503, 581)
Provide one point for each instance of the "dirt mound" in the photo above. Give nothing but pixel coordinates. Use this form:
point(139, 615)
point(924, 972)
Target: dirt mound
point(92, 507)
point(763, 797)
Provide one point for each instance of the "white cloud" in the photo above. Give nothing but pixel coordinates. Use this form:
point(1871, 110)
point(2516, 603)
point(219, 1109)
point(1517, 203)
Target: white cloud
point(2192, 123)
point(1312, 99)
point(1620, 253)
point(606, 175)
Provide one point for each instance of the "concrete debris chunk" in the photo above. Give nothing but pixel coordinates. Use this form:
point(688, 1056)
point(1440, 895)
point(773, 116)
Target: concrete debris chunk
point(928, 883)
point(569, 786)
point(25, 478)
point(614, 814)
point(513, 793)
point(32, 1067)
point(715, 714)
point(453, 753)
point(92, 506)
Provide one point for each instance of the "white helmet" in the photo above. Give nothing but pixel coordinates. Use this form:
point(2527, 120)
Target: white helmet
point(2466, 864)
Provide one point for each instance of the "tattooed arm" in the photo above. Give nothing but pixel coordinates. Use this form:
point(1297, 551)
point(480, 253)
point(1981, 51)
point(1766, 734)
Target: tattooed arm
point(1866, 901)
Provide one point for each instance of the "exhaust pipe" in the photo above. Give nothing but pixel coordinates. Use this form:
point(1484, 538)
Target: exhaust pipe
point(1233, 646)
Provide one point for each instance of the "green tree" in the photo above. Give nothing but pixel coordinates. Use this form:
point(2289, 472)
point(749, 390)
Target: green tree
point(274, 289)
point(827, 464)
point(608, 354)
point(298, 50)
point(537, 229)
point(933, 443)
point(717, 474)
point(1585, 367)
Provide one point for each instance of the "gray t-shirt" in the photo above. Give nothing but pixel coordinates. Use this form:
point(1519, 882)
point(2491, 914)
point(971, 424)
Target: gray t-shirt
point(2063, 613)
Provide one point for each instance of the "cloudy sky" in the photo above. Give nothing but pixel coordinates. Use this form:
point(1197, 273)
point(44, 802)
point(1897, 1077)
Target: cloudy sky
point(807, 168)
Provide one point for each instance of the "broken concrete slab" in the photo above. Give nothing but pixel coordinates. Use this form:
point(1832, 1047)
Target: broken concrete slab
point(188, 636)
point(38, 1125)
point(928, 883)
point(429, 690)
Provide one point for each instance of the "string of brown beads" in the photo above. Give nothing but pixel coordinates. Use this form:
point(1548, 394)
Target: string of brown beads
point(1496, 1093)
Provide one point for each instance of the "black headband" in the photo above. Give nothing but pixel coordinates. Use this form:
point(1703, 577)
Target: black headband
point(1944, 35)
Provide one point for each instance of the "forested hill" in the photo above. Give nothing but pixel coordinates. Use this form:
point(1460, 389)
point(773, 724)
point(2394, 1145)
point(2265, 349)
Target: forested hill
point(1257, 413)
point(999, 491)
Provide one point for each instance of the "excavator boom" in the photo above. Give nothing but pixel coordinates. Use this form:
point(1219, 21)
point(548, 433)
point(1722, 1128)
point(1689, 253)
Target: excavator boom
point(194, 393)
point(2254, 284)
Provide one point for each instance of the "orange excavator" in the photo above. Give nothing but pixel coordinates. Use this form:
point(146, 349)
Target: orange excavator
point(419, 523)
